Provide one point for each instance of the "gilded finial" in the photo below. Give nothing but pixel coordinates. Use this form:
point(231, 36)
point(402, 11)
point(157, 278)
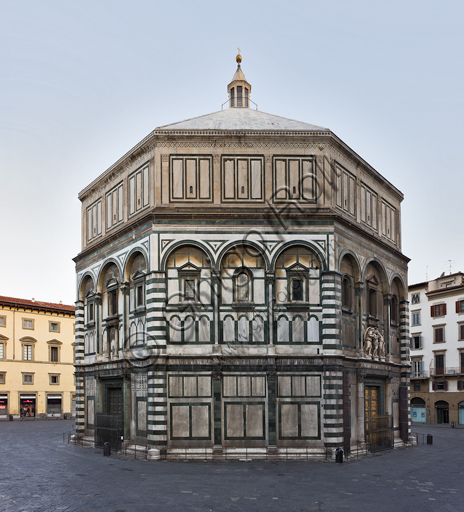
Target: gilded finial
point(239, 57)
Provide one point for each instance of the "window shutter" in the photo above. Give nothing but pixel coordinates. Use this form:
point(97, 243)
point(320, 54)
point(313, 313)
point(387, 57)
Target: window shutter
point(432, 310)
point(444, 309)
point(420, 342)
point(445, 385)
point(434, 384)
point(458, 306)
point(421, 368)
point(459, 385)
point(412, 370)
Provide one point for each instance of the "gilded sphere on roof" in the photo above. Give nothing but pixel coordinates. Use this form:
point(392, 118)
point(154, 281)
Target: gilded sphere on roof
point(238, 58)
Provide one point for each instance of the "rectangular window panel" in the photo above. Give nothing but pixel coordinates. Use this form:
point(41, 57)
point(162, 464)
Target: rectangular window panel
point(2, 351)
point(280, 179)
point(242, 172)
point(132, 195)
point(205, 179)
point(109, 210)
point(191, 179)
point(229, 179)
point(294, 178)
point(146, 186)
point(54, 354)
point(256, 179)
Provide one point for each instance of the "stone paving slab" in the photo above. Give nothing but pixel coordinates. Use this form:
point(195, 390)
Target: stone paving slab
point(40, 473)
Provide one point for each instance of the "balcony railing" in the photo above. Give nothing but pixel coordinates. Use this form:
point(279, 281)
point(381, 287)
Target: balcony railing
point(424, 374)
point(446, 370)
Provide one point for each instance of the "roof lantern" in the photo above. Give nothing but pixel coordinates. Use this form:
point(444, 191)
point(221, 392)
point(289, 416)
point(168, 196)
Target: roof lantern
point(239, 89)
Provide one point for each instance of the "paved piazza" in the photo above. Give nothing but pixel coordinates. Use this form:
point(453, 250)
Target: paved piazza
point(41, 473)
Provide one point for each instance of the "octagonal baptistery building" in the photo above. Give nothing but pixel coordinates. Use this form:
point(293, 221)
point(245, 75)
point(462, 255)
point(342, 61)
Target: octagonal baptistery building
point(241, 292)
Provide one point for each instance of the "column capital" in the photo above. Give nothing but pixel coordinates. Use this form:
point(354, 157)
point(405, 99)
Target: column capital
point(270, 277)
point(125, 288)
point(359, 288)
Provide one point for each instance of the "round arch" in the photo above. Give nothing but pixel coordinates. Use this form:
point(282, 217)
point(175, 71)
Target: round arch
point(106, 264)
point(86, 274)
point(397, 277)
point(376, 261)
point(129, 256)
point(241, 243)
point(186, 243)
point(351, 254)
point(303, 243)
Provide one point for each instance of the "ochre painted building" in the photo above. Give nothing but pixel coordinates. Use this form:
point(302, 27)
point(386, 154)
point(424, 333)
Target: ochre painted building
point(36, 358)
point(242, 290)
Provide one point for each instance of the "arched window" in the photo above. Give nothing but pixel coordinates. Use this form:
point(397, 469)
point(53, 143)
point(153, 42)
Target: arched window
point(232, 97)
point(242, 286)
point(246, 97)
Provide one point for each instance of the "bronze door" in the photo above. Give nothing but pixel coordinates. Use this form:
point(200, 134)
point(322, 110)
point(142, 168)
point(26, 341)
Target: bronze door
point(371, 410)
point(115, 402)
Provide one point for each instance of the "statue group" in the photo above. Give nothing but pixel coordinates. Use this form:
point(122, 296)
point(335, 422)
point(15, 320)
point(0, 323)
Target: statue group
point(374, 343)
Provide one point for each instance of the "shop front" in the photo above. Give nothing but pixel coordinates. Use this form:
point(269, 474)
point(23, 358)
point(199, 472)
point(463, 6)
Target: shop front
point(3, 406)
point(418, 410)
point(442, 411)
point(54, 405)
point(27, 406)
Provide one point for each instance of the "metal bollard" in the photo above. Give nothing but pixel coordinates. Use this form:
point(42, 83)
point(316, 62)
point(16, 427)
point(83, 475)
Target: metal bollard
point(429, 439)
point(11, 417)
point(453, 424)
point(106, 449)
point(339, 455)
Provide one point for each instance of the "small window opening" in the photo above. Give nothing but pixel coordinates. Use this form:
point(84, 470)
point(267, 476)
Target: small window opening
point(191, 189)
point(189, 289)
point(243, 190)
point(112, 303)
point(297, 289)
point(239, 96)
point(243, 294)
point(139, 295)
point(232, 97)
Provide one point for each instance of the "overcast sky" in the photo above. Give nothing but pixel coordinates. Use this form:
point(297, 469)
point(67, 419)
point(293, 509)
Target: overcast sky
point(82, 82)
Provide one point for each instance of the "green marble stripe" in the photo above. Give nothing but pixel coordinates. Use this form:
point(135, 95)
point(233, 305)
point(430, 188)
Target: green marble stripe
point(333, 407)
point(333, 425)
point(332, 396)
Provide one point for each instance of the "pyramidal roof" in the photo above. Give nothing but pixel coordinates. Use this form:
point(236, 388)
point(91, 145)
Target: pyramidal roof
point(242, 119)
point(239, 116)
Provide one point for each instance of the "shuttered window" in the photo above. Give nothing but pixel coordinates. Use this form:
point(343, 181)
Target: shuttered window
point(438, 310)
point(439, 335)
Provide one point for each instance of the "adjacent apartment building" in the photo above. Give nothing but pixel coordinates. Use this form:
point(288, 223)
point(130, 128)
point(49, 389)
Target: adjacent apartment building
point(36, 359)
point(437, 350)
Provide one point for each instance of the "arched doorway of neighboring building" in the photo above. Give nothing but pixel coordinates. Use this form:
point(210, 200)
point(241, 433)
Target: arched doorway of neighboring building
point(461, 413)
point(442, 411)
point(418, 410)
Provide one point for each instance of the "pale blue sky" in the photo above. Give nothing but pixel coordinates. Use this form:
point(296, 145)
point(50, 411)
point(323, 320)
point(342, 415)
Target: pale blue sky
point(82, 82)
